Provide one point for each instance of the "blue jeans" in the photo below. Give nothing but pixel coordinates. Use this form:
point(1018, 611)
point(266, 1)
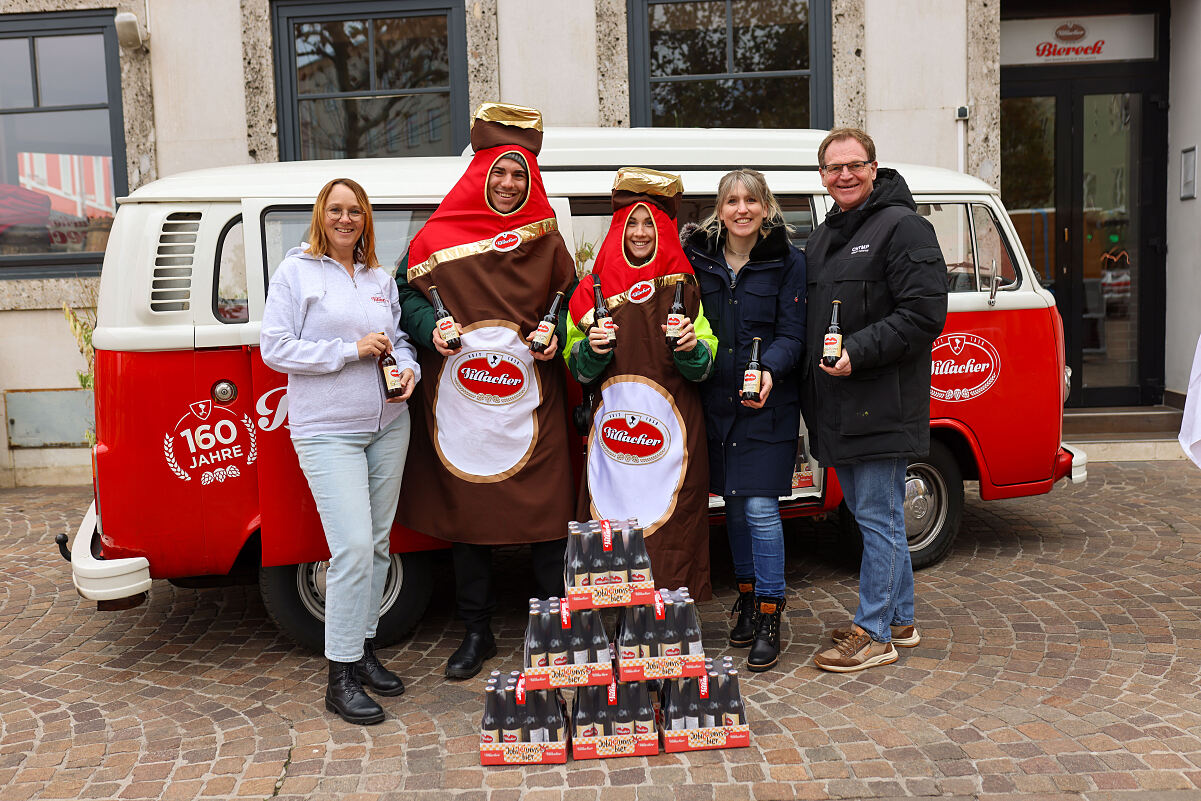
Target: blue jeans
point(757, 542)
point(875, 494)
point(355, 481)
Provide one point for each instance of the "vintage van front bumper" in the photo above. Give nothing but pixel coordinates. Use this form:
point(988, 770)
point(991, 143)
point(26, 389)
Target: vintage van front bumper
point(104, 579)
point(1078, 461)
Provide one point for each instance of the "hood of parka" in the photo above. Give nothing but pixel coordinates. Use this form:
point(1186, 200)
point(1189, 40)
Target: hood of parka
point(772, 247)
point(890, 189)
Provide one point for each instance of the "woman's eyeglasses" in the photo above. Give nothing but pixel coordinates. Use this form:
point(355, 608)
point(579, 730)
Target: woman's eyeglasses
point(336, 212)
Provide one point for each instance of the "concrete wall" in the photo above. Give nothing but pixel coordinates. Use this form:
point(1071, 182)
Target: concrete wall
point(548, 59)
point(1184, 216)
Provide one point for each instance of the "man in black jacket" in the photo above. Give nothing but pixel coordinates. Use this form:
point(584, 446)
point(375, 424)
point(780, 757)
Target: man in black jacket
point(870, 412)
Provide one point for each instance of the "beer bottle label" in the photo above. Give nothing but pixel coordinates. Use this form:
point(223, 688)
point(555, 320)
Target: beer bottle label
point(446, 327)
point(674, 323)
point(832, 346)
point(489, 736)
point(639, 574)
point(392, 377)
point(751, 380)
point(627, 651)
point(543, 333)
point(623, 727)
point(607, 324)
point(671, 649)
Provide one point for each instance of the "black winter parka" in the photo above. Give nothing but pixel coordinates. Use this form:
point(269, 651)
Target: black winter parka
point(883, 262)
point(752, 451)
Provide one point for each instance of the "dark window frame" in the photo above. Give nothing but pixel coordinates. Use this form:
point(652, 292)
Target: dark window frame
point(286, 13)
point(820, 71)
point(84, 264)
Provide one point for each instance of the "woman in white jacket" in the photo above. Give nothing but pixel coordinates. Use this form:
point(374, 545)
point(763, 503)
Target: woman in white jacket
point(332, 312)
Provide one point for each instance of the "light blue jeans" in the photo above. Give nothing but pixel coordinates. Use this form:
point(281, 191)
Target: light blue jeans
point(757, 542)
point(355, 481)
point(875, 494)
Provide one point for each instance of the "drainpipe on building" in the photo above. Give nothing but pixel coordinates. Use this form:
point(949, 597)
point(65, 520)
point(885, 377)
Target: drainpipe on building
point(961, 115)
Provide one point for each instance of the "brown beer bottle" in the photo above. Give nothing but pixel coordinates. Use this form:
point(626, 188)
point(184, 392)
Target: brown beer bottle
point(390, 373)
point(444, 321)
point(546, 326)
point(832, 344)
point(675, 317)
point(752, 377)
point(604, 320)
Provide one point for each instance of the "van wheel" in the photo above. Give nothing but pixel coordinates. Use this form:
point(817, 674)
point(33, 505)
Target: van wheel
point(933, 509)
point(295, 599)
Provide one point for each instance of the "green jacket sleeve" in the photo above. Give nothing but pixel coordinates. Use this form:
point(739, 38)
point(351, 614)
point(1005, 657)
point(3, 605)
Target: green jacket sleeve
point(697, 364)
point(416, 312)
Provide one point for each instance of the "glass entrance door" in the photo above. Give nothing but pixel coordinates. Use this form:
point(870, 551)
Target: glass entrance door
point(1078, 180)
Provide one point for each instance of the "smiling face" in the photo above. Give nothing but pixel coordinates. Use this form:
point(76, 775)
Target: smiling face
point(849, 189)
point(508, 183)
point(741, 212)
point(343, 230)
point(640, 236)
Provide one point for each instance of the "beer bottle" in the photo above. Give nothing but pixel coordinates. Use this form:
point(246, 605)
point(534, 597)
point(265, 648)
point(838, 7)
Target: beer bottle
point(644, 712)
point(752, 377)
point(535, 639)
point(531, 726)
point(619, 563)
point(604, 711)
point(628, 646)
point(648, 641)
point(490, 722)
point(598, 639)
point(445, 322)
point(510, 723)
point(556, 644)
point(669, 638)
point(598, 562)
point(604, 320)
point(638, 560)
point(390, 372)
point(546, 326)
point(578, 639)
point(577, 571)
point(692, 703)
point(710, 708)
point(832, 344)
point(691, 630)
point(673, 709)
point(675, 317)
point(734, 712)
point(623, 717)
point(583, 719)
point(554, 717)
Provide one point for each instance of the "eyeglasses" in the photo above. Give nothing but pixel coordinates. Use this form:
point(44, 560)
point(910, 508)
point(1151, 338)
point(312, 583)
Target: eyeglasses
point(336, 212)
point(855, 167)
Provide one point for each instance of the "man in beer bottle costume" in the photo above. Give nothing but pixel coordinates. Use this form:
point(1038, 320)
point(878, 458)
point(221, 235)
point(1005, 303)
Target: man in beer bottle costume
point(490, 454)
point(647, 455)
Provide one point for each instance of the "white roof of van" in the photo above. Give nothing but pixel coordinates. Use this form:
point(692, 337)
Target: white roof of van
point(565, 149)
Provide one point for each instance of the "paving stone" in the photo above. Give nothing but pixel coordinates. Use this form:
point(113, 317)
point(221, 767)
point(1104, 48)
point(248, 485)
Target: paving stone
point(1055, 663)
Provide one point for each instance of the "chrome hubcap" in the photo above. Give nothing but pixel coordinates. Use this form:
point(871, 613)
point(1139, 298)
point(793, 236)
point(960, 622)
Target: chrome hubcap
point(926, 504)
point(311, 579)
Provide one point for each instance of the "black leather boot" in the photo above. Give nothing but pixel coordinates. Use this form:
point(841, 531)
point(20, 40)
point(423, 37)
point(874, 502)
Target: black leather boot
point(765, 650)
point(345, 696)
point(467, 661)
point(371, 673)
point(744, 627)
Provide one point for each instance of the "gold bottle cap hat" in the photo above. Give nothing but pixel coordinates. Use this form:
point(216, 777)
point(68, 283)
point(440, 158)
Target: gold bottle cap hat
point(645, 181)
point(509, 114)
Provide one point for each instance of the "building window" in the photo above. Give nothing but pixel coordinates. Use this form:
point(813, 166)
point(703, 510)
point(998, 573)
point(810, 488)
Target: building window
point(361, 82)
point(730, 63)
point(62, 146)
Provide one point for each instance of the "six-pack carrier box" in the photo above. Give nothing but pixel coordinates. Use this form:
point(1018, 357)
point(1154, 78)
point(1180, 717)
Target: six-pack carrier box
point(195, 478)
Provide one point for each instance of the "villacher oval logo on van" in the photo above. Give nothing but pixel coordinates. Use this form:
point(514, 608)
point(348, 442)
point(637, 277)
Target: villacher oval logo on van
point(632, 437)
point(491, 378)
point(506, 241)
point(642, 291)
point(962, 367)
point(1070, 32)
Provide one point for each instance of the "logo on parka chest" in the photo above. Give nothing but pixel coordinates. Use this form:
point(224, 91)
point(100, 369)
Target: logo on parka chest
point(633, 437)
point(962, 367)
point(491, 378)
point(506, 241)
point(641, 292)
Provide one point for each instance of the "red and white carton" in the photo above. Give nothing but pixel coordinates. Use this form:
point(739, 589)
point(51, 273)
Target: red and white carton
point(615, 745)
point(607, 595)
point(707, 738)
point(545, 678)
point(660, 667)
point(523, 753)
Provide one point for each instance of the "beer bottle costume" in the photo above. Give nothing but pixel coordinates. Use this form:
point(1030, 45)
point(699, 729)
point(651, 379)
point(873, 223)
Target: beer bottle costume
point(646, 449)
point(490, 458)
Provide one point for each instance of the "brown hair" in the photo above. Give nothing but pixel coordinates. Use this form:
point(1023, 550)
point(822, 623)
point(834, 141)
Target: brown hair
point(364, 249)
point(838, 134)
point(756, 186)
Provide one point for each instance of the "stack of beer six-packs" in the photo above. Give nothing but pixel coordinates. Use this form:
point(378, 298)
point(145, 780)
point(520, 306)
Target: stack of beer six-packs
point(656, 654)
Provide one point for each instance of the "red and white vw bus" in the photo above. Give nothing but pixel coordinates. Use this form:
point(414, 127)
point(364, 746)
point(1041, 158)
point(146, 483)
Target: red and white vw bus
point(195, 478)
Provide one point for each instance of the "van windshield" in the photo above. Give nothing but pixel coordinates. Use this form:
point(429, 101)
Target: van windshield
point(395, 226)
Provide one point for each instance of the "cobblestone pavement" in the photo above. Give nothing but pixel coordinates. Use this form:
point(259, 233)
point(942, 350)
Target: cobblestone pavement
point(1059, 659)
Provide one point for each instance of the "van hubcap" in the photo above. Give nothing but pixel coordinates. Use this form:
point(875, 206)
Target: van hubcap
point(311, 582)
point(926, 504)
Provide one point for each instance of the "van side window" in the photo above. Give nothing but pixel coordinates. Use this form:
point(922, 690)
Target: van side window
point(590, 218)
point(954, 231)
point(229, 296)
point(990, 249)
point(395, 226)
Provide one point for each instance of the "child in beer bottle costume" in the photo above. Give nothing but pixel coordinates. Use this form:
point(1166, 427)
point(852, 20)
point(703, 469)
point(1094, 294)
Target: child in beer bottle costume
point(646, 451)
point(490, 453)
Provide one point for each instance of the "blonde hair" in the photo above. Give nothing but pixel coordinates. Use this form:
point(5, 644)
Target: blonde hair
point(364, 249)
point(756, 186)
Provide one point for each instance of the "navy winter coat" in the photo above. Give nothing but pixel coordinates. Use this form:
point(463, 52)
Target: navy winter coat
point(752, 451)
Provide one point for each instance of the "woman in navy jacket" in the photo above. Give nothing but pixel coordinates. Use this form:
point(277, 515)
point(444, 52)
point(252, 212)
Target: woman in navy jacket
point(752, 284)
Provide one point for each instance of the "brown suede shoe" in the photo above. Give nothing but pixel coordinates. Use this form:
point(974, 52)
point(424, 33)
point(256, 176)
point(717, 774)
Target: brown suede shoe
point(856, 652)
point(902, 636)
